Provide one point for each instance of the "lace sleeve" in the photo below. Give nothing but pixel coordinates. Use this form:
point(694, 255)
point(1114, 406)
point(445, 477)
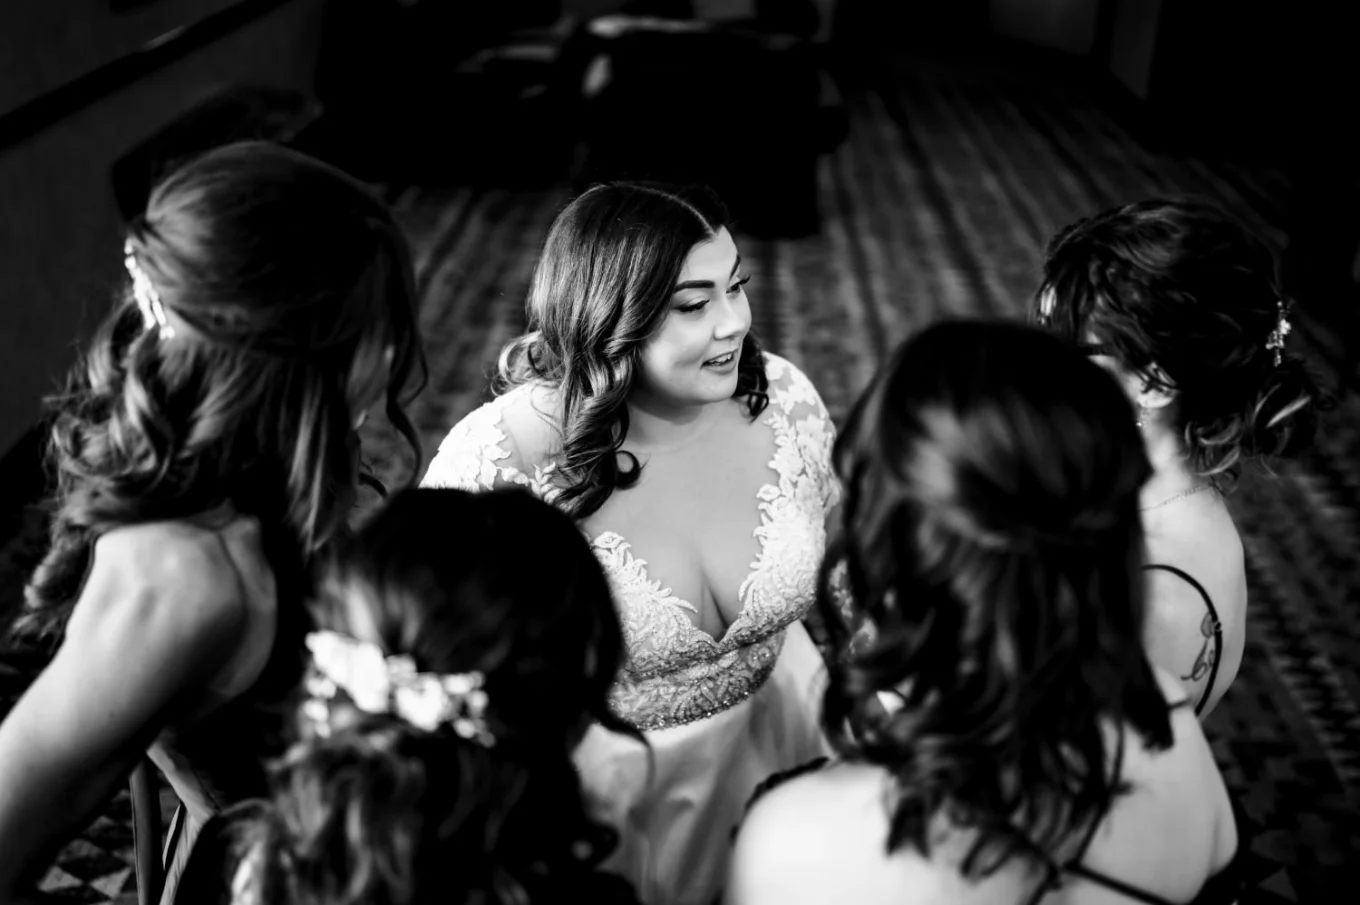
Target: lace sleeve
point(479, 454)
point(793, 393)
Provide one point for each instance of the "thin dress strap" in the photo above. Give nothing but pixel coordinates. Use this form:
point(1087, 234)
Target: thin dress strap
point(1217, 630)
point(1119, 886)
point(1053, 881)
point(1076, 868)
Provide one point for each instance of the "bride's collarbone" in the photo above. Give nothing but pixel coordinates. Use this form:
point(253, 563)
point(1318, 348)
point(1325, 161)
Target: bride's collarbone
point(692, 516)
point(689, 502)
point(697, 543)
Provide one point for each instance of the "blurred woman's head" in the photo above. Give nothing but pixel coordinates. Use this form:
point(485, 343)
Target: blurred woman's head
point(991, 542)
point(270, 304)
point(1182, 304)
point(449, 685)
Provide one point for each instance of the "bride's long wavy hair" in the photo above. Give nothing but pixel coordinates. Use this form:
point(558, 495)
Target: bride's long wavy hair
point(601, 289)
point(289, 290)
point(991, 539)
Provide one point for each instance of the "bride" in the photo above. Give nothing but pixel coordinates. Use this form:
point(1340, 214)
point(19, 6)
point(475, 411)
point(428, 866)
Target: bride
point(699, 467)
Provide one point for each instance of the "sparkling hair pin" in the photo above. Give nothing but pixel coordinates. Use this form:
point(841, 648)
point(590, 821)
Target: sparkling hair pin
point(1275, 341)
point(1047, 301)
point(148, 299)
point(380, 684)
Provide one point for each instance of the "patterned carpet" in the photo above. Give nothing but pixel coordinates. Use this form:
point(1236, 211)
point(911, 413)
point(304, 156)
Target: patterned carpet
point(939, 203)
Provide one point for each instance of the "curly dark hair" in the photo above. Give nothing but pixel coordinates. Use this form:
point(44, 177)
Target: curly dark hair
point(291, 296)
point(601, 289)
point(1178, 287)
point(991, 543)
point(380, 812)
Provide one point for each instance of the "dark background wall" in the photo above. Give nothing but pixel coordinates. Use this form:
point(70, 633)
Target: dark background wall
point(59, 257)
point(1268, 79)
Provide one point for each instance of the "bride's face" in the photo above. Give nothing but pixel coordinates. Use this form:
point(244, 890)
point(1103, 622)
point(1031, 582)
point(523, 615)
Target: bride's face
point(692, 358)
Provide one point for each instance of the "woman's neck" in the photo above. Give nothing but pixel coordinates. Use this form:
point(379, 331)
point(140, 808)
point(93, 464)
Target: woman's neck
point(1172, 472)
point(658, 427)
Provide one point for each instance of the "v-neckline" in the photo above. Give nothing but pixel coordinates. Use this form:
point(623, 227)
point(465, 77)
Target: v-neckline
point(676, 604)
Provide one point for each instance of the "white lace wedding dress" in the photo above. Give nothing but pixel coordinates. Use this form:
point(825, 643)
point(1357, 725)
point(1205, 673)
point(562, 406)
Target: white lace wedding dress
point(720, 715)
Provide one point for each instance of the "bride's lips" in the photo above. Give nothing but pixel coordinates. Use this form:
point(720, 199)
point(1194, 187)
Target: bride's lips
point(722, 362)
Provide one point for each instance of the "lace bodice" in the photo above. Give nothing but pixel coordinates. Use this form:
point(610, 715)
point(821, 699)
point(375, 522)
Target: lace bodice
point(675, 672)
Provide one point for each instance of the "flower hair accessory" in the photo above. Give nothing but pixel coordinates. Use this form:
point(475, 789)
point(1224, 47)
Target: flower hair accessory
point(148, 299)
point(380, 684)
point(1275, 341)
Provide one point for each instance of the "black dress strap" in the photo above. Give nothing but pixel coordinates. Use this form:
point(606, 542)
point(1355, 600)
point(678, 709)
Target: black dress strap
point(1076, 868)
point(1054, 870)
point(1217, 629)
point(1119, 886)
point(773, 781)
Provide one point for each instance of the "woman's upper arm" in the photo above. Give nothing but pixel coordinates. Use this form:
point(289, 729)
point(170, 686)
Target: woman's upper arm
point(477, 454)
point(794, 393)
point(158, 617)
point(505, 443)
point(1179, 634)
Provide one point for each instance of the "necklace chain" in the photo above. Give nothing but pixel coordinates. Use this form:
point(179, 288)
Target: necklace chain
point(1171, 499)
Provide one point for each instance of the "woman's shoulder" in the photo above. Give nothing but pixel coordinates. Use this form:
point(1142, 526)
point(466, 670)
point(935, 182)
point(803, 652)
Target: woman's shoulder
point(790, 389)
point(204, 552)
point(1178, 788)
point(821, 781)
point(1174, 826)
point(1188, 755)
point(784, 777)
point(782, 372)
point(818, 827)
point(182, 581)
point(532, 417)
point(1200, 538)
point(511, 436)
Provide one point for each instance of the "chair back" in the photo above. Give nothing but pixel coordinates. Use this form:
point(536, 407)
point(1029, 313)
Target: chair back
point(146, 833)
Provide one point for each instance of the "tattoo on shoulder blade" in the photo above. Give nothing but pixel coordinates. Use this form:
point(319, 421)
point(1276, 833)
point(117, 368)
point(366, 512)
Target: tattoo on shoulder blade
point(1205, 661)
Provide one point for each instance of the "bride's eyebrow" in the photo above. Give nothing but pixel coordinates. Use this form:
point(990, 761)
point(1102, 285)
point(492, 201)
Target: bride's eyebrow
point(703, 284)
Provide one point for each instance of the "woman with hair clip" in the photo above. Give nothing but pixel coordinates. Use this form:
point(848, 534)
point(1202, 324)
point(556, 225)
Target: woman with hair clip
point(699, 466)
point(446, 690)
point(1180, 303)
point(1001, 734)
point(204, 451)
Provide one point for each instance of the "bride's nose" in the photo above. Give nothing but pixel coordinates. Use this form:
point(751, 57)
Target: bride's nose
point(733, 320)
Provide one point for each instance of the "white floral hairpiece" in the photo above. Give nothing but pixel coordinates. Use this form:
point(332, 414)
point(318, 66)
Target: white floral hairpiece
point(1275, 341)
point(148, 299)
point(379, 684)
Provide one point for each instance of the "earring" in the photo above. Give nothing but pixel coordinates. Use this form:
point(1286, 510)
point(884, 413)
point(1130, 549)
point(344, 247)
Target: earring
point(1142, 416)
